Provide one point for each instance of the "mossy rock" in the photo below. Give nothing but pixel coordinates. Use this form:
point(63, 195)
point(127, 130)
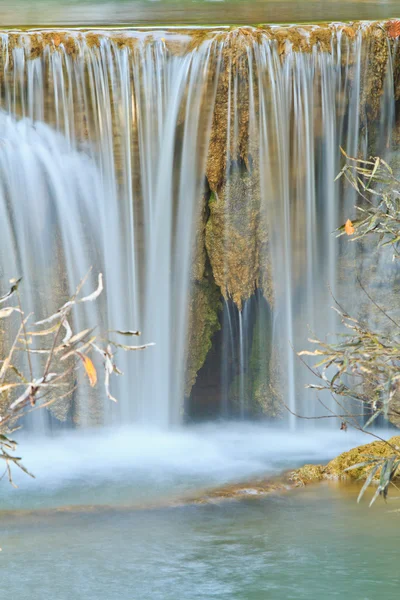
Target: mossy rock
point(204, 307)
point(237, 240)
point(336, 468)
point(258, 393)
point(307, 474)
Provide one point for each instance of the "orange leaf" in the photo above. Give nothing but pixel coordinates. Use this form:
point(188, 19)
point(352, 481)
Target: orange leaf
point(57, 39)
point(393, 28)
point(349, 229)
point(89, 368)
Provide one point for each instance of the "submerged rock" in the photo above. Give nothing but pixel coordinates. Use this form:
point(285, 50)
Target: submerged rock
point(253, 489)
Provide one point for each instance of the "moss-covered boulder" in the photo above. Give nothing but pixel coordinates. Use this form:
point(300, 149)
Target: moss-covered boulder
point(336, 468)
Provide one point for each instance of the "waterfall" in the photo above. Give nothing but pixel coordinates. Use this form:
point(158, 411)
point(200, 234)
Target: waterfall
point(195, 170)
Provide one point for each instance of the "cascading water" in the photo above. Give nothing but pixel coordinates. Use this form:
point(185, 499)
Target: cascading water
point(53, 218)
point(190, 166)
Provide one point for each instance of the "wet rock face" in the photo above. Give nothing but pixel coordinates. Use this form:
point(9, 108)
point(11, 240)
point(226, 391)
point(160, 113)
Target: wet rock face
point(376, 52)
point(236, 238)
point(257, 390)
point(237, 230)
point(236, 88)
point(204, 308)
point(204, 304)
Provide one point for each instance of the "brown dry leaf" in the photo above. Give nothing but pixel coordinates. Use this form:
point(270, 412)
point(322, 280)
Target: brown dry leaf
point(349, 229)
point(393, 28)
point(89, 368)
point(57, 40)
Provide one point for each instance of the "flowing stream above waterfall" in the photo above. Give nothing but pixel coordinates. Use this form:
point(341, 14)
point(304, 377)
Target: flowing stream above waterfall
point(195, 169)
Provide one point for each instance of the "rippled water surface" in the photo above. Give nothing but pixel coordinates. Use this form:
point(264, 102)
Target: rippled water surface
point(97, 523)
point(313, 544)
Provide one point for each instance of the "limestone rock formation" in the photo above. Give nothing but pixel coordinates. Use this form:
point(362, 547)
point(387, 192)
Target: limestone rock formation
point(236, 239)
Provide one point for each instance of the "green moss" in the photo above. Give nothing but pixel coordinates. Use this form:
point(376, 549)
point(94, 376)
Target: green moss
point(204, 308)
point(204, 303)
point(307, 474)
point(259, 382)
point(336, 469)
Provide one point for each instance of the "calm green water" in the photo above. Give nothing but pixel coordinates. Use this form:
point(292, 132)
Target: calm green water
point(85, 529)
point(193, 12)
point(313, 544)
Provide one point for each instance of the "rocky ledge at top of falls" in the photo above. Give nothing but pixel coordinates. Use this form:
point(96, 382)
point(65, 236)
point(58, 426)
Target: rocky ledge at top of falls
point(306, 475)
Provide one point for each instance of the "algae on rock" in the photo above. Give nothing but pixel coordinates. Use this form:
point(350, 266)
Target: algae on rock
point(204, 306)
point(256, 390)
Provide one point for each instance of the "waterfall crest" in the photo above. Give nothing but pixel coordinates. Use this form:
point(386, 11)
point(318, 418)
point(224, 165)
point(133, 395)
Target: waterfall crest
point(195, 169)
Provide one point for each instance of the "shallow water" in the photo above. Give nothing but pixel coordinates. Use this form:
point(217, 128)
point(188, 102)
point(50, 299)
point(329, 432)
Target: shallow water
point(312, 543)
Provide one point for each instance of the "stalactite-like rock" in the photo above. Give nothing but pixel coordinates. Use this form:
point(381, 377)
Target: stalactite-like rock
point(236, 239)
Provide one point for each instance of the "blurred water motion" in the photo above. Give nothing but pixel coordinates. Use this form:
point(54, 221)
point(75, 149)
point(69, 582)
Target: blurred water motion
point(195, 12)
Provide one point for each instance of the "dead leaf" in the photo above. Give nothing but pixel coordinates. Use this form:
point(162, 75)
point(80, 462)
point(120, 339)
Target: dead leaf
point(6, 312)
point(89, 368)
point(128, 332)
point(349, 229)
point(393, 28)
point(13, 289)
